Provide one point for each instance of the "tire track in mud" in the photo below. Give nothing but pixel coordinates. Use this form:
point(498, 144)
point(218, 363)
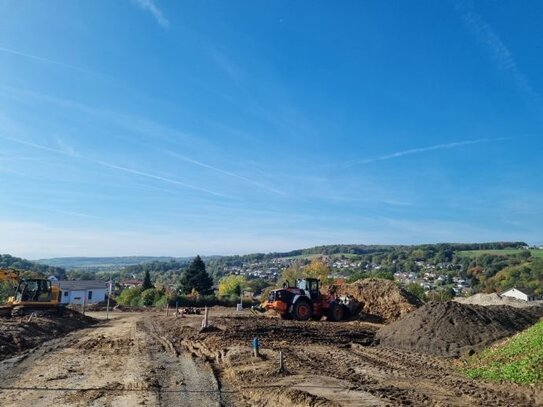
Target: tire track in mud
point(399, 378)
point(393, 377)
point(430, 370)
point(179, 378)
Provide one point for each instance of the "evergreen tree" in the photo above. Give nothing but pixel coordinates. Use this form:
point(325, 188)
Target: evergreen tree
point(196, 277)
point(147, 281)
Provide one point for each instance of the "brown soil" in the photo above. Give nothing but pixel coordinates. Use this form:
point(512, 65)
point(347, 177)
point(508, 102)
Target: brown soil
point(18, 334)
point(329, 364)
point(152, 359)
point(452, 329)
point(381, 300)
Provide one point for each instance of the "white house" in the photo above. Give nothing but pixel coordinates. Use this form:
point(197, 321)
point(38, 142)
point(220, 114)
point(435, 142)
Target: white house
point(82, 291)
point(524, 294)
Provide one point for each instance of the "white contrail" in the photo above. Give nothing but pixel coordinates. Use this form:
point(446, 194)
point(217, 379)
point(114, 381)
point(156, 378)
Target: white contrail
point(487, 36)
point(151, 7)
point(33, 145)
point(116, 167)
point(420, 150)
point(161, 178)
point(229, 173)
point(47, 60)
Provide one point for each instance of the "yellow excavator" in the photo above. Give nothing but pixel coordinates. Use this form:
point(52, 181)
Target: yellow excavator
point(29, 295)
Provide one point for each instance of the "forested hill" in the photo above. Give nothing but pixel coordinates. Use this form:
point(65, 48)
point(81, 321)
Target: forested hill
point(8, 261)
point(106, 263)
point(361, 249)
point(101, 263)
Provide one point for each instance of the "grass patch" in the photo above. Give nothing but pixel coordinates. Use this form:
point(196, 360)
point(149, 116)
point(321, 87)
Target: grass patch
point(500, 252)
point(517, 360)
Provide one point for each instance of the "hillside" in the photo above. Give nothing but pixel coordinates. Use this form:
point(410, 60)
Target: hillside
point(9, 261)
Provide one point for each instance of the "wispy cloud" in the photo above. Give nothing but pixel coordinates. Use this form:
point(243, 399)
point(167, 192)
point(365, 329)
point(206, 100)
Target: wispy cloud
point(151, 7)
point(420, 150)
point(46, 60)
point(224, 172)
point(500, 53)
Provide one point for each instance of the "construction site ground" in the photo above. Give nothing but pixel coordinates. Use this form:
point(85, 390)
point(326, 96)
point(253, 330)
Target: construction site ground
point(150, 359)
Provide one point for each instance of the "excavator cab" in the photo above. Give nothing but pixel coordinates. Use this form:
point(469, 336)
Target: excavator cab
point(34, 290)
point(30, 294)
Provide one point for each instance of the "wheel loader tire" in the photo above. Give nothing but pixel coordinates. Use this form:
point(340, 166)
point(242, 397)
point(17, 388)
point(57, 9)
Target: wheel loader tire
point(302, 310)
point(336, 312)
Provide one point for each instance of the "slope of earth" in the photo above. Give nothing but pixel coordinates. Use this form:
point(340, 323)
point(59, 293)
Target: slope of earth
point(21, 333)
point(453, 329)
point(381, 300)
point(333, 365)
point(124, 362)
point(517, 359)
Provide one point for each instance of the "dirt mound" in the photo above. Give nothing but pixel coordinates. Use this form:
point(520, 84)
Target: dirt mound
point(18, 334)
point(381, 300)
point(494, 299)
point(452, 329)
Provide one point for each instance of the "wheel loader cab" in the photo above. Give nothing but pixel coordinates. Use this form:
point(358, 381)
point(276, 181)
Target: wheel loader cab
point(310, 285)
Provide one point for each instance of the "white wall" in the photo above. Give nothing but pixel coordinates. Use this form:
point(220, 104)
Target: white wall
point(78, 296)
point(513, 292)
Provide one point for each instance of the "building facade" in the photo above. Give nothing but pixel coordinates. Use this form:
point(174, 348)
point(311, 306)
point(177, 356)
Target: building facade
point(520, 293)
point(82, 292)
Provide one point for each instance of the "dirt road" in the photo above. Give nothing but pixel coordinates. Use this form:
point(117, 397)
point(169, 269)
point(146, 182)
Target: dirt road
point(123, 362)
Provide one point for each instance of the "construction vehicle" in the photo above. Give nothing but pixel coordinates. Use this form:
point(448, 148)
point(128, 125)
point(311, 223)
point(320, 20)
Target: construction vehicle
point(29, 294)
point(305, 301)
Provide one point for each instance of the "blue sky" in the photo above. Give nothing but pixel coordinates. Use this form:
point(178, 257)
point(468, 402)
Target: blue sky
point(156, 127)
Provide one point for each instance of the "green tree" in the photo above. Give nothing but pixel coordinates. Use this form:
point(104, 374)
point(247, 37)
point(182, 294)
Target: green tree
point(232, 285)
point(147, 284)
point(149, 296)
point(130, 296)
point(416, 289)
point(196, 278)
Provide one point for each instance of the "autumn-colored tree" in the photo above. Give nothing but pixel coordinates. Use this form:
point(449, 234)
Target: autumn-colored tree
point(318, 268)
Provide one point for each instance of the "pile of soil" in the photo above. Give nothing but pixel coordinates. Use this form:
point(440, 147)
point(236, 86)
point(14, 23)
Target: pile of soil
point(380, 300)
point(17, 334)
point(494, 299)
point(453, 329)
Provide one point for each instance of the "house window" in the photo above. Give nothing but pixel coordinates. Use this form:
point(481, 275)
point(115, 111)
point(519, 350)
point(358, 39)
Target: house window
point(65, 293)
point(90, 295)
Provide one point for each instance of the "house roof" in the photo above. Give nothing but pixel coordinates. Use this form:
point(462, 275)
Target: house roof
point(73, 285)
point(524, 290)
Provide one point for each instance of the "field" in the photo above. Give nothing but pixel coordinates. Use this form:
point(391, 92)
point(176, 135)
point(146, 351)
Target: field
point(150, 359)
point(502, 252)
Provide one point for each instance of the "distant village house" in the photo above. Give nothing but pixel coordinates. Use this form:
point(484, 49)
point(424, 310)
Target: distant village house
point(524, 294)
